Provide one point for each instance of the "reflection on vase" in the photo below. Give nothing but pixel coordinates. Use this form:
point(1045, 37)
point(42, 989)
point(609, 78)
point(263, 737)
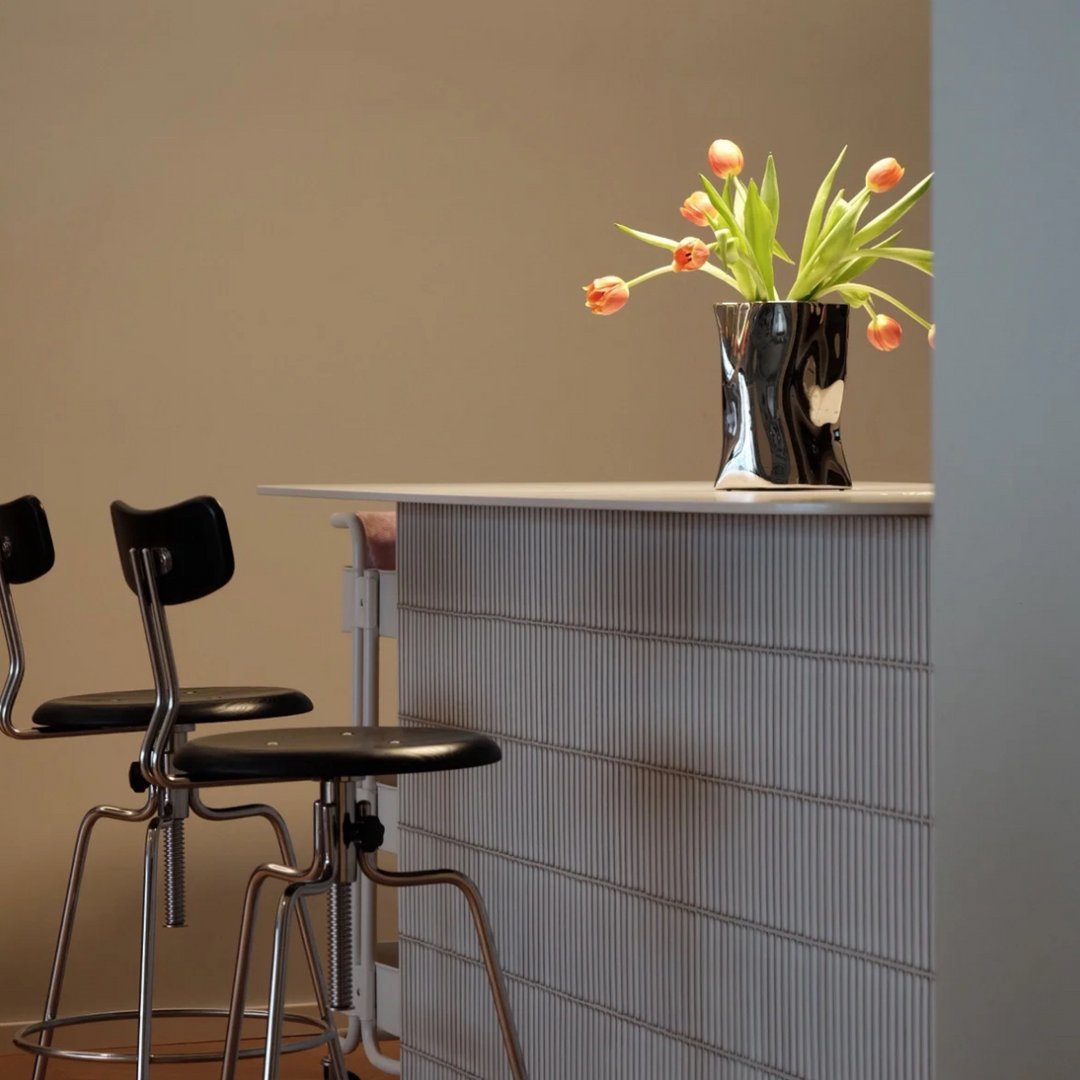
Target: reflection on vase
point(784, 365)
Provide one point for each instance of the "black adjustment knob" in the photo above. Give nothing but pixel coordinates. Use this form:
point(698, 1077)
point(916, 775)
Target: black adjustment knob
point(326, 1071)
point(367, 832)
point(138, 782)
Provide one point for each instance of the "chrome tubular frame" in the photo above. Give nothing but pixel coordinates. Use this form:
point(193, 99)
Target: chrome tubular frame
point(16, 670)
point(22, 1040)
point(398, 880)
point(147, 564)
point(67, 919)
point(331, 864)
point(37, 1038)
point(16, 659)
point(162, 802)
point(154, 762)
point(318, 877)
point(156, 742)
point(303, 916)
point(146, 948)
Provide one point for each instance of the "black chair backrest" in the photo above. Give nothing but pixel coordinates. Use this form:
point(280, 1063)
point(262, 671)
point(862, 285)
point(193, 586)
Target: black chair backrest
point(196, 536)
point(26, 547)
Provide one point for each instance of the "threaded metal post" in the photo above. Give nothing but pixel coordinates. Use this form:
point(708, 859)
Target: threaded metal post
point(340, 966)
point(172, 838)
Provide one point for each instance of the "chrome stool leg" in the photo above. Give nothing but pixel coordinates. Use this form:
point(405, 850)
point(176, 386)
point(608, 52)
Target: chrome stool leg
point(37, 1039)
point(149, 931)
point(288, 856)
point(303, 917)
point(71, 903)
point(321, 870)
point(496, 982)
point(279, 968)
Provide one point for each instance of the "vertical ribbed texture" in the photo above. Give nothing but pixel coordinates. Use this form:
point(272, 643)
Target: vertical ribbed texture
point(707, 849)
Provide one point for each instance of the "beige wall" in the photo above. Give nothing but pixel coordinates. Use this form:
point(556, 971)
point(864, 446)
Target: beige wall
point(258, 241)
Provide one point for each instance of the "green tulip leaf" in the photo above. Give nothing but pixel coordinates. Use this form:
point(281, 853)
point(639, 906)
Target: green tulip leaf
point(855, 266)
point(835, 247)
point(744, 276)
point(917, 257)
point(739, 204)
point(716, 272)
point(720, 205)
point(729, 219)
point(924, 323)
point(779, 251)
point(760, 232)
point(887, 241)
point(649, 238)
point(847, 272)
point(894, 213)
point(836, 209)
point(813, 224)
point(854, 296)
point(861, 261)
point(770, 190)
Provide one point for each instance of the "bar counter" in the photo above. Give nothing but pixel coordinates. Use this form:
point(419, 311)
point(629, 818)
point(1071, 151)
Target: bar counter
point(707, 851)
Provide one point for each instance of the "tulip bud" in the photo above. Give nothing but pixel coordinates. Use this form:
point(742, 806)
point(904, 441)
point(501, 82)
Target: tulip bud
point(691, 254)
point(725, 158)
point(931, 334)
point(606, 295)
point(697, 208)
point(884, 333)
point(884, 174)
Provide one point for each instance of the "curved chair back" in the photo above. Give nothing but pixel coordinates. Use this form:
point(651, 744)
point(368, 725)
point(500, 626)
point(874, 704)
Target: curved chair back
point(169, 556)
point(26, 547)
point(190, 543)
point(26, 553)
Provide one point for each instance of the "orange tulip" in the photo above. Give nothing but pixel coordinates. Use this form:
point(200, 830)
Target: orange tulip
point(884, 333)
point(931, 334)
point(725, 158)
point(884, 174)
point(606, 295)
point(697, 208)
point(691, 254)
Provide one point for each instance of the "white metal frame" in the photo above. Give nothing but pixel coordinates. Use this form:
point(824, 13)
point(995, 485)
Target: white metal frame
point(369, 610)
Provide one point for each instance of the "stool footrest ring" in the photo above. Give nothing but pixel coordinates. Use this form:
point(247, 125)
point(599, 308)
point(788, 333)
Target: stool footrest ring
point(291, 1045)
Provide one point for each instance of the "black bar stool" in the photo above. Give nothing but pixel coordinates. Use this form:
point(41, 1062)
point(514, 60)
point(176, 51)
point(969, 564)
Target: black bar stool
point(26, 554)
point(170, 555)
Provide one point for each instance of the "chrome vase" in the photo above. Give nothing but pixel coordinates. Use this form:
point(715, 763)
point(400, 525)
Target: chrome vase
point(784, 365)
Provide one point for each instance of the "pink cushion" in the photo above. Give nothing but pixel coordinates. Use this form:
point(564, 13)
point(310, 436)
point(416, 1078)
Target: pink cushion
point(380, 527)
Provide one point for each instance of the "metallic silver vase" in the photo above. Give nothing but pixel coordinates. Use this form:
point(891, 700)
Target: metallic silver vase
point(784, 366)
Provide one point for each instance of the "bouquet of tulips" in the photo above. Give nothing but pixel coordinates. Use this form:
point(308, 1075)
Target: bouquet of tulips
point(742, 218)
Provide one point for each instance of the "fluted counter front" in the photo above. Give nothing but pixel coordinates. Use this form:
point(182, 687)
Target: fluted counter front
point(707, 852)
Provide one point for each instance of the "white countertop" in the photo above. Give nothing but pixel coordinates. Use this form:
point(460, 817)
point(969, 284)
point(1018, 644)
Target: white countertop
point(686, 496)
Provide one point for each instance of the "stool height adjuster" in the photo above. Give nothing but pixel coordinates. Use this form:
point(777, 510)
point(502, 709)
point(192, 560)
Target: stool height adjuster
point(366, 832)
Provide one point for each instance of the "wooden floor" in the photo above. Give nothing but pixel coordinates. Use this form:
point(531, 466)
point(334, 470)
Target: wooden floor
point(303, 1066)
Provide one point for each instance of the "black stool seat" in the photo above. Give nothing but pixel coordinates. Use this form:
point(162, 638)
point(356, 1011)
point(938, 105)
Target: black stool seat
point(320, 753)
point(198, 705)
